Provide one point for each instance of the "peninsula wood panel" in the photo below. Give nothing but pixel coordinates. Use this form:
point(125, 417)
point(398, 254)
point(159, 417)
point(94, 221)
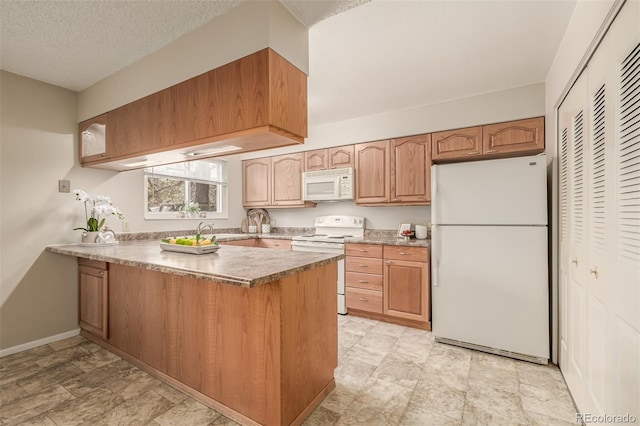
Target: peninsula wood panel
point(304, 339)
point(459, 143)
point(93, 297)
point(372, 172)
point(255, 350)
point(522, 136)
point(411, 169)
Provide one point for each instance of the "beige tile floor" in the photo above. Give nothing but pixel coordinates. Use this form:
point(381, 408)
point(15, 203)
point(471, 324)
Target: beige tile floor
point(386, 375)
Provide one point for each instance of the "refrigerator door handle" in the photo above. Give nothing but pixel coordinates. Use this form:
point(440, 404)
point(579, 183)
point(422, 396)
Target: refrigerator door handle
point(434, 195)
point(435, 254)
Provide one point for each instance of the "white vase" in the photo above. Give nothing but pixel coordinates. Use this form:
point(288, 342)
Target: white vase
point(90, 237)
point(421, 232)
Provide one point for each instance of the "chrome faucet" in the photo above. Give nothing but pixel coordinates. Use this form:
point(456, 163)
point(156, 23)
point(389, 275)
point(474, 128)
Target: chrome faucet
point(201, 228)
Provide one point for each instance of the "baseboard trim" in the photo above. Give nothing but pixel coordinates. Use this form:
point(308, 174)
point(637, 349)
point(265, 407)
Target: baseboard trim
point(39, 342)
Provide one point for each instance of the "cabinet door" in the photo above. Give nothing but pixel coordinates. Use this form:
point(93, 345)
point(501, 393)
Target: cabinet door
point(406, 289)
point(93, 300)
point(251, 242)
point(287, 179)
point(522, 136)
point(457, 144)
point(340, 157)
point(274, 243)
point(93, 139)
point(315, 160)
point(411, 170)
point(372, 172)
point(256, 182)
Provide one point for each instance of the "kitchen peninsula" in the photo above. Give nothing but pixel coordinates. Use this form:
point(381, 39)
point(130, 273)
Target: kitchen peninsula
point(251, 332)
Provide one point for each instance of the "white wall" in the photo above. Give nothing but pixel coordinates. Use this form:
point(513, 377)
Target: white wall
point(510, 104)
point(245, 29)
point(585, 22)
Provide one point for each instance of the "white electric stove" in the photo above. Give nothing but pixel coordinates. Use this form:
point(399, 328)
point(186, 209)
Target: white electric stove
point(329, 237)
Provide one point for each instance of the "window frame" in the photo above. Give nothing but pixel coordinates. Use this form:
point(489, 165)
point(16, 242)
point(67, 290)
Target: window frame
point(222, 201)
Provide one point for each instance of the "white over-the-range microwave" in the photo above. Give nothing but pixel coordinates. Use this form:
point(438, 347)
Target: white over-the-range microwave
point(328, 185)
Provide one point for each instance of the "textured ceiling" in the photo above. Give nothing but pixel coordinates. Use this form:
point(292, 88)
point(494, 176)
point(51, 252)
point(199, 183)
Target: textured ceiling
point(74, 44)
point(382, 55)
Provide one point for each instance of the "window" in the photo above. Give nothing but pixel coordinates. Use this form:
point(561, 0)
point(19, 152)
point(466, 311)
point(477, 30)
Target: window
point(193, 189)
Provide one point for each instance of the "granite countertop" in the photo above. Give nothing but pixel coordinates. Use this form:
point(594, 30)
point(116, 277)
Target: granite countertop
point(242, 266)
point(389, 240)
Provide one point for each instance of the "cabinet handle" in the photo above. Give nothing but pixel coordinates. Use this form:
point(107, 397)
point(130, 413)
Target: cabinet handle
point(323, 168)
point(334, 167)
point(276, 245)
point(363, 281)
point(491, 150)
point(363, 251)
point(473, 153)
point(104, 154)
point(389, 262)
point(364, 299)
point(594, 271)
point(575, 261)
point(396, 199)
point(404, 253)
point(362, 265)
point(101, 273)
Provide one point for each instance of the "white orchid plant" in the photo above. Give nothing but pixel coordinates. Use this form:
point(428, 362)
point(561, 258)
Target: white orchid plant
point(95, 207)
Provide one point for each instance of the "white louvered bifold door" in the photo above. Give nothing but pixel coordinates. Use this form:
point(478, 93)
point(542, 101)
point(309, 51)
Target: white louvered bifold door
point(626, 282)
point(599, 220)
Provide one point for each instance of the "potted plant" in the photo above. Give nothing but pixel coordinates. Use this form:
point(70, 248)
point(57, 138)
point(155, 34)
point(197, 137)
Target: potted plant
point(96, 207)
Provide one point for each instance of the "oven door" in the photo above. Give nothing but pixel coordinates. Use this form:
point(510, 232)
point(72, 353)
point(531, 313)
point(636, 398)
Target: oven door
point(320, 188)
point(331, 248)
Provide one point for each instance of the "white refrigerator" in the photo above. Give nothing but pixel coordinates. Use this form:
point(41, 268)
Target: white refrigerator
point(490, 284)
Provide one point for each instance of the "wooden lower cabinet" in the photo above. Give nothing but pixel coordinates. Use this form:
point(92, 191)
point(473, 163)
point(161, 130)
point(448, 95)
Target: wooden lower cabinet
point(275, 243)
point(262, 355)
point(93, 297)
point(393, 286)
point(249, 242)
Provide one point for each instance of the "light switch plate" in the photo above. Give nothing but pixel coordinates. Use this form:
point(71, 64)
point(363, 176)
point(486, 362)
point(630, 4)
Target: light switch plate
point(64, 185)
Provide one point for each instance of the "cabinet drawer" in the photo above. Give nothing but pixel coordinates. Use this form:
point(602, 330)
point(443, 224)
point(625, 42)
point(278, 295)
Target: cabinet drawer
point(274, 243)
point(364, 300)
point(364, 250)
point(93, 263)
point(418, 254)
point(364, 264)
point(360, 280)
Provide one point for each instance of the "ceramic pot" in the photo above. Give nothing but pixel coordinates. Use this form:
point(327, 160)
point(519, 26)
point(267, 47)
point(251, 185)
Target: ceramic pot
point(90, 237)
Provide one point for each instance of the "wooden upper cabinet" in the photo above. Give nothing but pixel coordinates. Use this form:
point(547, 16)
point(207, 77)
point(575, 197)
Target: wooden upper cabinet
point(411, 169)
point(522, 136)
point(259, 101)
point(372, 169)
point(459, 143)
point(287, 179)
point(341, 157)
point(508, 139)
point(93, 138)
point(316, 160)
point(256, 182)
point(332, 158)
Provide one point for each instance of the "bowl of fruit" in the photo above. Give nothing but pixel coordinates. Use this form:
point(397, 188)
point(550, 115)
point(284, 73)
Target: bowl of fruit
point(194, 244)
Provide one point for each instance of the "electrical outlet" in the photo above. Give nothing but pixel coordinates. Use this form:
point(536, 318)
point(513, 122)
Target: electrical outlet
point(64, 185)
